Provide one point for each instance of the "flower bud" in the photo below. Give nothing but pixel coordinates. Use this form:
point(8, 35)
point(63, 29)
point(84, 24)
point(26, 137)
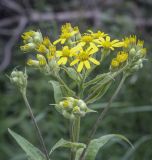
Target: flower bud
point(132, 52)
point(19, 79)
point(28, 47)
point(71, 108)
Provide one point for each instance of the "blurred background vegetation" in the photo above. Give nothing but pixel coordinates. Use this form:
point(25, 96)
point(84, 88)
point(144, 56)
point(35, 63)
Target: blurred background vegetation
point(131, 113)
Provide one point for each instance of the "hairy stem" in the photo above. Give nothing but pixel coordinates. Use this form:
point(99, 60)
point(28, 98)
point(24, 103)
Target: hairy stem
point(36, 126)
point(103, 113)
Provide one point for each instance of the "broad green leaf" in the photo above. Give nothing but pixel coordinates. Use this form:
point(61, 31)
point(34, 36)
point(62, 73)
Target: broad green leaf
point(32, 152)
point(57, 91)
point(67, 144)
point(96, 144)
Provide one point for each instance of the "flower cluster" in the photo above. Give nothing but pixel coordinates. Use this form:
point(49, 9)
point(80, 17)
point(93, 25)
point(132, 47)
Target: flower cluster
point(19, 78)
point(70, 108)
point(72, 48)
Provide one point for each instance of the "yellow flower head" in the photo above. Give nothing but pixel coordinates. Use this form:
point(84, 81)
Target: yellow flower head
point(131, 40)
point(64, 55)
point(52, 52)
point(32, 37)
point(67, 31)
point(42, 48)
point(46, 42)
point(114, 63)
point(97, 35)
point(107, 44)
point(33, 63)
point(41, 59)
point(27, 35)
point(84, 57)
point(122, 56)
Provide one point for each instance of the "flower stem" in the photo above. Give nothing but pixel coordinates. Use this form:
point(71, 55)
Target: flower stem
point(74, 131)
point(36, 126)
point(102, 114)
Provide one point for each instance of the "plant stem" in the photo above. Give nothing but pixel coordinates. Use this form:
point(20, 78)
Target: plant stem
point(35, 124)
point(74, 134)
point(103, 113)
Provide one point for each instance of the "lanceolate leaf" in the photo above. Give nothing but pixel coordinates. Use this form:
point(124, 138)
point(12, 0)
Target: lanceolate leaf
point(96, 144)
point(57, 91)
point(32, 152)
point(98, 93)
point(67, 144)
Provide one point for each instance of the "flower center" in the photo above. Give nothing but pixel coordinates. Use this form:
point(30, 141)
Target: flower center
point(87, 38)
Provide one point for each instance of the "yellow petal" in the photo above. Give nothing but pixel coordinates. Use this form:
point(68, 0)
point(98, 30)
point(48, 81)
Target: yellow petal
point(115, 41)
point(87, 64)
point(74, 62)
point(59, 53)
point(80, 66)
point(82, 43)
point(94, 61)
point(63, 41)
point(62, 60)
point(108, 38)
point(57, 41)
point(119, 44)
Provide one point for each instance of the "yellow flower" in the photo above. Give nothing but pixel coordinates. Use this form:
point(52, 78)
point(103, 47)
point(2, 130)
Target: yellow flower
point(65, 54)
point(66, 32)
point(52, 52)
point(33, 63)
point(122, 56)
point(97, 35)
point(28, 47)
point(87, 40)
point(32, 37)
point(114, 63)
point(106, 43)
point(84, 57)
point(41, 59)
point(131, 40)
point(28, 35)
point(42, 48)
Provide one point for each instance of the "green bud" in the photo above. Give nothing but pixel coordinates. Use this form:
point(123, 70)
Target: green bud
point(132, 52)
point(28, 47)
point(82, 105)
point(54, 67)
point(19, 79)
point(37, 38)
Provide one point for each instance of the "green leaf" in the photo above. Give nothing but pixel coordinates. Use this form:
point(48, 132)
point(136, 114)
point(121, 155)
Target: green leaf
point(32, 152)
point(98, 93)
point(97, 79)
point(96, 144)
point(67, 144)
point(57, 91)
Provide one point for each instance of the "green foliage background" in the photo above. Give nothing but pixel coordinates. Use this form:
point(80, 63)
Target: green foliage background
point(130, 115)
